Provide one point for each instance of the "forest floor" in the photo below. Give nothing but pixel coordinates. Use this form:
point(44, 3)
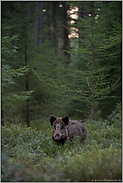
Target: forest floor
point(31, 155)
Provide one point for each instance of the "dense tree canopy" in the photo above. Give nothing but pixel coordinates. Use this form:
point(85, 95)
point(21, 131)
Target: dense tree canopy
point(60, 58)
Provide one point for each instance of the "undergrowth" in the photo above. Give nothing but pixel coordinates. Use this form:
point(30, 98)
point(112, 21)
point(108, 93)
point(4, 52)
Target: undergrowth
point(30, 154)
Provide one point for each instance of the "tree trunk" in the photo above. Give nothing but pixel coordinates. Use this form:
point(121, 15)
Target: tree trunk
point(92, 26)
point(35, 25)
point(12, 32)
point(66, 32)
point(83, 14)
point(27, 111)
point(27, 82)
point(40, 23)
point(55, 4)
point(2, 116)
point(48, 20)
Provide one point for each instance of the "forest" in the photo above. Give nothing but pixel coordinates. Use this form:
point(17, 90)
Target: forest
point(61, 58)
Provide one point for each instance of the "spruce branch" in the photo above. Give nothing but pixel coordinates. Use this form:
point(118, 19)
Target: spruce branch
point(56, 87)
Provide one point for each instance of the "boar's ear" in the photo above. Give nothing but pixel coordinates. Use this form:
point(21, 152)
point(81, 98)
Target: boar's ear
point(52, 119)
point(65, 119)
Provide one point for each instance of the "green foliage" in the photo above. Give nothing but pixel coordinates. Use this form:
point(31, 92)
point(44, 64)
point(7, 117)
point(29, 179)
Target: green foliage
point(11, 98)
point(56, 84)
point(39, 158)
point(86, 166)
point(9, 169)
point(99, 78)
point(37, 78)
point(115, 117)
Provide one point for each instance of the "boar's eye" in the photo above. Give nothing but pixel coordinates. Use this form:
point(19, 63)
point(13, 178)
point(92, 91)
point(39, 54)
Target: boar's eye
point(62, 126)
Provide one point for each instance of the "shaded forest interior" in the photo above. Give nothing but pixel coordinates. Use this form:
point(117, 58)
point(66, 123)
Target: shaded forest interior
point(60, 58)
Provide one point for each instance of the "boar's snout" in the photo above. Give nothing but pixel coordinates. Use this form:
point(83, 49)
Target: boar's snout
point(57, 137)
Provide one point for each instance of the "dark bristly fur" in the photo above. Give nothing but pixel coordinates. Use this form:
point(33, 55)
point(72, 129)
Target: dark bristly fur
point(65, 129)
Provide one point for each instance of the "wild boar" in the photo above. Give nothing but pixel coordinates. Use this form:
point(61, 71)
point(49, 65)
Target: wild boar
point(65, 129)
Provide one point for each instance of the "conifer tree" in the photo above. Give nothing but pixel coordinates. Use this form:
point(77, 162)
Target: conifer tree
point(94, 81)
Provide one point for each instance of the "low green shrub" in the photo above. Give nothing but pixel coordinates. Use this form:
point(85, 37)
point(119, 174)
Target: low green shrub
point(39, 158)
point(86, 166)
point(8, 169)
